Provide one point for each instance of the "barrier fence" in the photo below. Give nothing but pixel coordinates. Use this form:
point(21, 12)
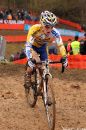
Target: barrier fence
point(72, 24)
point(18, 39)
point(75, 61)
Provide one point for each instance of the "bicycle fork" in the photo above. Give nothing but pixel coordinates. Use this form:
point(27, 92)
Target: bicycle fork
point(45, 88)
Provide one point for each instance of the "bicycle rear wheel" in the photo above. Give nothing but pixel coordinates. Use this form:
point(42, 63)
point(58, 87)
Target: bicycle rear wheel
point(31, 92)
point(31, 96)
point(49, 104)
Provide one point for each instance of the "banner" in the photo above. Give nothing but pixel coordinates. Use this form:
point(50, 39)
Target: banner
point(11, 21)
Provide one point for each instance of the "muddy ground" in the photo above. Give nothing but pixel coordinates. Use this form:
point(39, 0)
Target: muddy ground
point(70, 95)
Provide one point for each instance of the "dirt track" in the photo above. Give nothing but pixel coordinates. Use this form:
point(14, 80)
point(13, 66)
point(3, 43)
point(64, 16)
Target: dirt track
point(70, 95)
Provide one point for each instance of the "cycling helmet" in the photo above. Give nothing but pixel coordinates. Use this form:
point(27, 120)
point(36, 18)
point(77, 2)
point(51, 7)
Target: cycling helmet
point(48, 18)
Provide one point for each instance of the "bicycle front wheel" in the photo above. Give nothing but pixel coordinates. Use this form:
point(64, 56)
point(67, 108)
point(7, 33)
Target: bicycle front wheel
point(49, 102)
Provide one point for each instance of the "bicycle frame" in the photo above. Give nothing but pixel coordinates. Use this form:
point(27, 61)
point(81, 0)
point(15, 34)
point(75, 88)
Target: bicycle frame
point(47, 91)
point(46, 74)
point(45, 77)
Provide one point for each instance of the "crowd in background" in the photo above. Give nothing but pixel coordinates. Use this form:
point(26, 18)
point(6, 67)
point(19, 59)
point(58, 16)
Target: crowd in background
point(9, 14)
point(75, 46)
point(18, 55)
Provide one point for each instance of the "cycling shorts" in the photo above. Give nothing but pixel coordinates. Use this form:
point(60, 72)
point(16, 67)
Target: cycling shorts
point(42, 51)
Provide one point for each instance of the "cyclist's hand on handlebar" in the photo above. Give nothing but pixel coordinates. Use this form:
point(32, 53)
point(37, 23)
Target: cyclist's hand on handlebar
point(64, 61)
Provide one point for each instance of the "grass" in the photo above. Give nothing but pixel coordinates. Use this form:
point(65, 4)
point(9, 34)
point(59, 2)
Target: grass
point(13, 48)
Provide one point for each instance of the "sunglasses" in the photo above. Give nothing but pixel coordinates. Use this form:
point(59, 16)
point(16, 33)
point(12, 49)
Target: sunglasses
point(48, 27)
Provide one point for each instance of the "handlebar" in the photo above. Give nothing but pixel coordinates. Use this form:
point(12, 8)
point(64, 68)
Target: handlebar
point(52, 62)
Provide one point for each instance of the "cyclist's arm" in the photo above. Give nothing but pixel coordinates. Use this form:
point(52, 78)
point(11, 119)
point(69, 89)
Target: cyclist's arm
point(28, 47)
point(62, 50)
point(30, 40)
point(59, 42)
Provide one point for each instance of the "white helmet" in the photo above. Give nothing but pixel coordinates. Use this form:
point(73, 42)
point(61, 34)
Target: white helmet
point(48, 18)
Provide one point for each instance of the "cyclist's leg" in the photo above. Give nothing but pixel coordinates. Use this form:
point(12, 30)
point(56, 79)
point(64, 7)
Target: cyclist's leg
point(41, 81)
point(29, 70)
point(28, 74)
point(35, 53)
point(27, 77)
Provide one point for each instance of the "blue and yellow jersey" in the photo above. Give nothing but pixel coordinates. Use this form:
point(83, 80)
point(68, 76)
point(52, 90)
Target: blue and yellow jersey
point(36, 37)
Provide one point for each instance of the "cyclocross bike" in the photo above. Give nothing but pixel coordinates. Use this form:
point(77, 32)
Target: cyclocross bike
point(46, 93)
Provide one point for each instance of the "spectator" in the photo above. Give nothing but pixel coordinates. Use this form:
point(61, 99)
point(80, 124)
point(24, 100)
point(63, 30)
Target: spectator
point(22, 14)
point(28, 17)
point(17, 56)
point(19, 14)
point(75, 45)
point(12, 57)
point(52, 49)
point(69, 47)
point(1, 14)
point(9, 17)
point(83, 46)
point(22, 54)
